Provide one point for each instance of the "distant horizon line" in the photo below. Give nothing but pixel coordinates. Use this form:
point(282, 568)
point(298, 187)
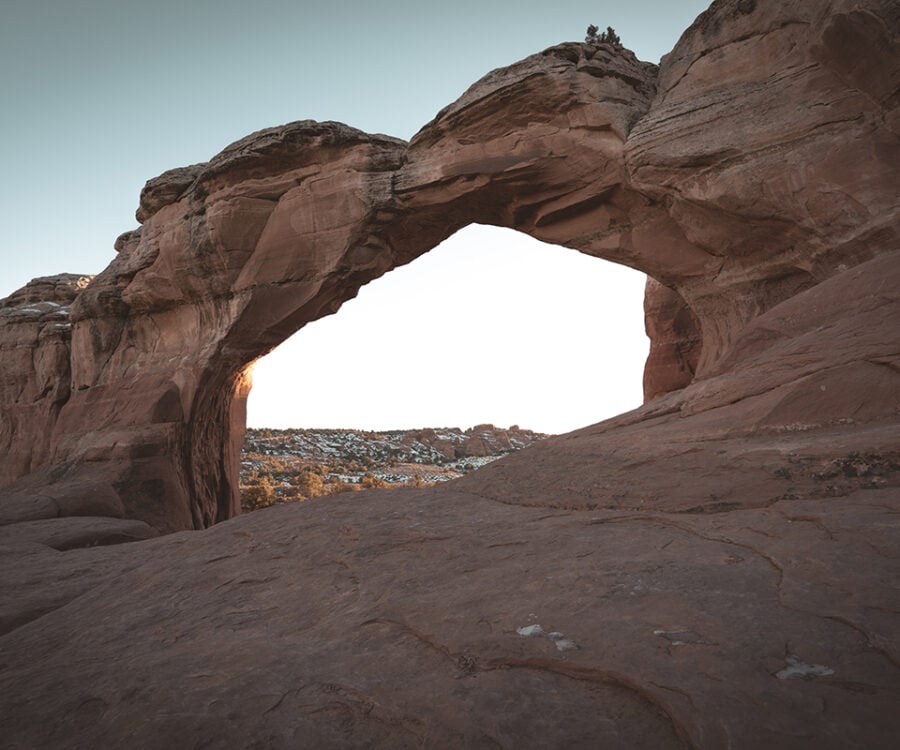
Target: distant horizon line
point(405, 429)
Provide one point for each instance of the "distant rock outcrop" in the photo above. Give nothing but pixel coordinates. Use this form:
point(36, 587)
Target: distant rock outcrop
point(418, 445)
point(35, 336)
point(346, 459)
point(715, 569)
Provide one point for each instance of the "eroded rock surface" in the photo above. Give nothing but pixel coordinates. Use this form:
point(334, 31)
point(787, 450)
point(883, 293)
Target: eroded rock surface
point(715, 569)
point(772, 146)
point(35, 336)
point(393, 618)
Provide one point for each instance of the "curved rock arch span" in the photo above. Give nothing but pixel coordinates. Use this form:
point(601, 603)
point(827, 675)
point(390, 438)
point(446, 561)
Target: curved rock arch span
point(581, 145)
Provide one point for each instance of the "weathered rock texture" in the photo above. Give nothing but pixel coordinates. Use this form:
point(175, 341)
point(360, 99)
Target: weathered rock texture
point(35, 375)
point(675, 342)
point(715, 569)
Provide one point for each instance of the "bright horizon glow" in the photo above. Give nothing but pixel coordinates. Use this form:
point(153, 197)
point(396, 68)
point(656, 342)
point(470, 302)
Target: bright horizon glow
point(491, 326)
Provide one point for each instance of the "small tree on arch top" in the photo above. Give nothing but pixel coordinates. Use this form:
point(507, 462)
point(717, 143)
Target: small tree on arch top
point(604, 37)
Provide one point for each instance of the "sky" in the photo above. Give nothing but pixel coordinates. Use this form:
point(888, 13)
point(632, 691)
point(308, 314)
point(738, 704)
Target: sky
point(98, 96)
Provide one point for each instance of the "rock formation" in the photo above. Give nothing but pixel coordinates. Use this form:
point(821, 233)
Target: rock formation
point(758, 169)
point(36, 373)
point(714, 569)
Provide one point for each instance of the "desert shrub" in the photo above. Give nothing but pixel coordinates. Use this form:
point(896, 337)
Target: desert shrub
point(310, 483)
point(260, 494)
point(337, 487)
point(604, 37)
point(370, 481)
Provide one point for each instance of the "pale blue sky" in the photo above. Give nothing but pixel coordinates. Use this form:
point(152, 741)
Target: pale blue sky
point(100, 95)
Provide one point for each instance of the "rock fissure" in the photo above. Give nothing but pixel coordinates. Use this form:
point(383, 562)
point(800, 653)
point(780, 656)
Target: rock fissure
point(604, 677)
point(870, 642)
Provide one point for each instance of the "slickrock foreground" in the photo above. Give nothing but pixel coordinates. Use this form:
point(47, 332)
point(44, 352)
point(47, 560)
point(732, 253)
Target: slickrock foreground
point(716, 569)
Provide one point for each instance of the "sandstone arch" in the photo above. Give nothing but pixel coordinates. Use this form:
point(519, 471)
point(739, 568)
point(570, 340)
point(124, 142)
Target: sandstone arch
point(582, 146)
point(677, 569)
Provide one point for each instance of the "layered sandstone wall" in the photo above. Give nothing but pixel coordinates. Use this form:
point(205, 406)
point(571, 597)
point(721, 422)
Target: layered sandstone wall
point(35, 377)
point(773, 143)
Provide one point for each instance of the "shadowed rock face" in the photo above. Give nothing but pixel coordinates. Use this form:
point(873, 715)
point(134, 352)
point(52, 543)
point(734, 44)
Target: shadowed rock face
point(715, 569)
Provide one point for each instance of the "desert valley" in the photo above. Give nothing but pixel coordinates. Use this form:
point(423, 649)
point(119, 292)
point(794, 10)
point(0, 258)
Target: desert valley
point(280, 466)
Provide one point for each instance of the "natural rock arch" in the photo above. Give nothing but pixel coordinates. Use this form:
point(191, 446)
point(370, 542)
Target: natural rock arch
point(677, 566)
point(580, 145)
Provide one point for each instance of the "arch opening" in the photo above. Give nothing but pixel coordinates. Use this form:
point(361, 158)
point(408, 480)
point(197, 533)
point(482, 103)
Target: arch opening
point(492, 326)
